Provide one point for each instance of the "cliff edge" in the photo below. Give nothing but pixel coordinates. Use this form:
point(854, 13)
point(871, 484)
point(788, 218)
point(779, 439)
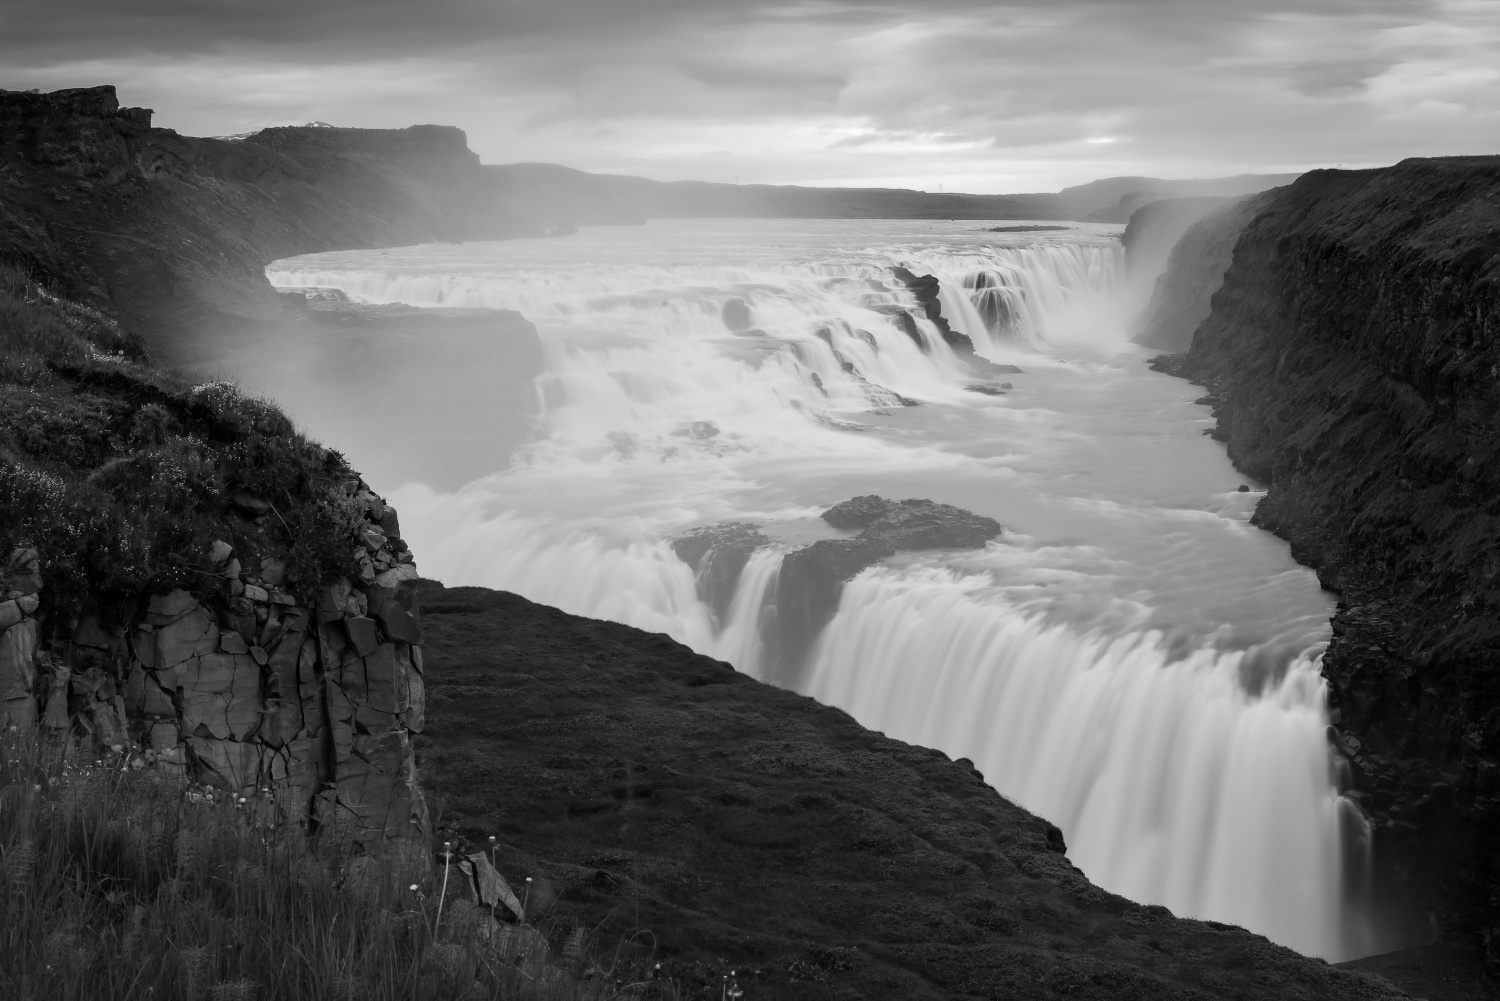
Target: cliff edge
point(1353, 358)
point(173, 233)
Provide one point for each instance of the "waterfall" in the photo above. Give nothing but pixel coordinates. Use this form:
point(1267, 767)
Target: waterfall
point(1173, 784)
point(1131, 659)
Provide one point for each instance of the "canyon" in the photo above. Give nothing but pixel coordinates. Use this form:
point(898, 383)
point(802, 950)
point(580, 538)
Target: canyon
point(1348, 354)
point(1350, 358)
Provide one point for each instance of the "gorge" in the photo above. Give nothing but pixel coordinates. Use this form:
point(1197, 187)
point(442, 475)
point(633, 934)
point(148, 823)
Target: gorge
point(88, 181)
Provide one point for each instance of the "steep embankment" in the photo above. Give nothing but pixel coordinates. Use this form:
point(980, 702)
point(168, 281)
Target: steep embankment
point(725, 824)
point(1352, 354)
point(1193, 269)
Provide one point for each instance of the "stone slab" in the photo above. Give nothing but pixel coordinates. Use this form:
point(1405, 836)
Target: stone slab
point(163, 608)
point(18, 660)
point(181, 638)
point(229, 764)
point(362, 637)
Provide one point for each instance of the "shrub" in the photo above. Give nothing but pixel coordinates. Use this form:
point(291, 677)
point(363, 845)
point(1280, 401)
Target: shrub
point(123, 475)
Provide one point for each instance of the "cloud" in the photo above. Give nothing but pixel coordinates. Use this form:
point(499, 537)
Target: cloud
point(1027, 95)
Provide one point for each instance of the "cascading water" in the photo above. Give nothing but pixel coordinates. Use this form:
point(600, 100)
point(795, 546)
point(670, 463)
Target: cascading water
point(1131, 659)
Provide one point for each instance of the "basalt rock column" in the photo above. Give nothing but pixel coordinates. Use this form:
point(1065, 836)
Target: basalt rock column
point(312, 699)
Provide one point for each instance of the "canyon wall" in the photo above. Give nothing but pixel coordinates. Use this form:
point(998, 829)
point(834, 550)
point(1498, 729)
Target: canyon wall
point(173, 233)
point(1353, 359)
point(1182, 293)
point(193, 587)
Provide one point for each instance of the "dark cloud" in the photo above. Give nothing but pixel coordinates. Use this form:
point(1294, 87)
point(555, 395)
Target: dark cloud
point(965, 92)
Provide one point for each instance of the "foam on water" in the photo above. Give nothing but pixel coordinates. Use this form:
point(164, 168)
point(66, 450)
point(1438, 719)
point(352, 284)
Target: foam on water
point(1131, 660)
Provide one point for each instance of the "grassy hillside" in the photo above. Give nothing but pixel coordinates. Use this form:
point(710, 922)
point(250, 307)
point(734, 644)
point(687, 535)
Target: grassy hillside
point(123, 476)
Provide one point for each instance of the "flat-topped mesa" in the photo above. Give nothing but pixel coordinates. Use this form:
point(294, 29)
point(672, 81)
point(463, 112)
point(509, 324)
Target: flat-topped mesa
point(30, 110)
point(813, 578)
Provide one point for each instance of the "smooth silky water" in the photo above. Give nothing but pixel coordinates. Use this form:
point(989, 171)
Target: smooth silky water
point(1130, 659)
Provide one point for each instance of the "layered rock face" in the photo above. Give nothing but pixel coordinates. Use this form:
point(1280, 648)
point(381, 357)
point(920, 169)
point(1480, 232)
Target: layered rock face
point(171, 232)
point(311, 700)
point(1352, 354)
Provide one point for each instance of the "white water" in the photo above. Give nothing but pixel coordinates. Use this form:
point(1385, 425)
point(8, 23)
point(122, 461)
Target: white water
point(1131, 659)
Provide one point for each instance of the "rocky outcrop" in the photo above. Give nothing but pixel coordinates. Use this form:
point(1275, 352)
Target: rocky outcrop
point(1352, 355)
point(812, 578)
point(312, 699)
point(927, 290)
point(193, 586)
point(718, 555)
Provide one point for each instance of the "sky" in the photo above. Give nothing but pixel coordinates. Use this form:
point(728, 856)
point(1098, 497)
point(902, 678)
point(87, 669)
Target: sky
point(962, 95)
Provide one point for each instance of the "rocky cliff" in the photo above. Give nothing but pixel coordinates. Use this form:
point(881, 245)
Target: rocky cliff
point(1203, 234)
point(172, 233)
point(191, 584)
point(194, 587)
point(1353, 357)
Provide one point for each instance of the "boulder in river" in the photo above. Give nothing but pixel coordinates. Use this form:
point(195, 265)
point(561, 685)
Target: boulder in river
point(718, 555)
point(736, 315)
point(812, 578)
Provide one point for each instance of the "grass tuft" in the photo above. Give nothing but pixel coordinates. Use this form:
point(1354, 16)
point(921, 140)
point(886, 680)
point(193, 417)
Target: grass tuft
point(118, 882)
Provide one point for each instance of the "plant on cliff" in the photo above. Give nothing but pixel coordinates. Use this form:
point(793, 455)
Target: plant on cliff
point(114, 885)
point(122, 475)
